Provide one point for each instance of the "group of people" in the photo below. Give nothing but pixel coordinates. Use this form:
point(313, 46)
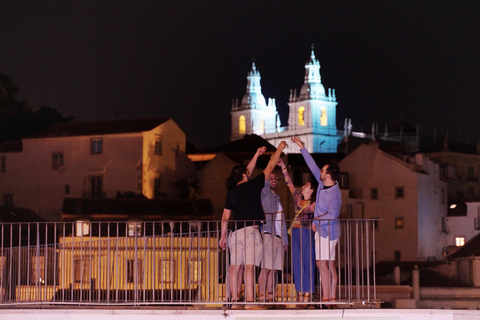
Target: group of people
point(259, 236)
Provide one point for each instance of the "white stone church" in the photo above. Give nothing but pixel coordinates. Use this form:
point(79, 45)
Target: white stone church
point(312, 114)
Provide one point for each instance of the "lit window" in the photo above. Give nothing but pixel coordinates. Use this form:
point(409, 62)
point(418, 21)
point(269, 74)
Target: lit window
point(96, 145)
point(301, 116)
point(399, 194)
point(195, 271)
point(262, 124)
point(459, 241)
point(3, 163)
point(167, 271)
point(8, 200)
point(241, 125)
point(57, 160)
point(323, 118)
point(399, 223)
point(374, 194)
point(158, 145)
point(135, 228)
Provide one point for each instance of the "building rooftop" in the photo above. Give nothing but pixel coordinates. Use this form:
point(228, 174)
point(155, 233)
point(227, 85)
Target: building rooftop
point(70, 129)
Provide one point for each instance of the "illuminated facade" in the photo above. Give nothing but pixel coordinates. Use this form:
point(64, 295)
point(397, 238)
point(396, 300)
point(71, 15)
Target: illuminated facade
point(312, 113)
point(95, 160)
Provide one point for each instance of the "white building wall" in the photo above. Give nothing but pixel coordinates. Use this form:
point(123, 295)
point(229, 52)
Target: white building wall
point(432, 208)
point(420, 237)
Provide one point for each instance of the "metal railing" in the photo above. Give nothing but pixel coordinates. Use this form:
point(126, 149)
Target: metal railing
point(156, 263)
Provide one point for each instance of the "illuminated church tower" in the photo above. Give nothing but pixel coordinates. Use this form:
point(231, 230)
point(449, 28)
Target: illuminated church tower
point(254, 115)
point(312, 114)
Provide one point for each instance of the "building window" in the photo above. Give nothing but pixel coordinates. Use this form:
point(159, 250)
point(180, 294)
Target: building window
point(399, 194)
point(343, 180)
point(471, 191)
point(442, 194)
point(373, 194)
point(349, 211)
point(399, 223)
point(177, 151)
point(167, 271)
point(470, 174)
point(157, 186)
point(8, 200)
point(3, 163)
point(459, 241)
point(81, 270)
point(96, 190)
point(67, 189)
point(57, 160)
point(323, 117)
point(158, 146)
point(397, 255)
point(241, 125)
point(262, 124)
point(301, 116)
point(96, 145)
point(134, 271)
point(375, 223)
point(195, 271)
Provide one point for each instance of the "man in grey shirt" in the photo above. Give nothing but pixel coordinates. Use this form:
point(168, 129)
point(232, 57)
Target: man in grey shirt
point(275, 239)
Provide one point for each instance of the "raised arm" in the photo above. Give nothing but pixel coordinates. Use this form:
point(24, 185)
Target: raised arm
point(308, 159)
point(251, 165)
point(273, 160)
point(286, 176)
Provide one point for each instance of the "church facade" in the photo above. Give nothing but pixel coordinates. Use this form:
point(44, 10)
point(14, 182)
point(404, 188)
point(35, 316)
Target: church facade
point(312, 113)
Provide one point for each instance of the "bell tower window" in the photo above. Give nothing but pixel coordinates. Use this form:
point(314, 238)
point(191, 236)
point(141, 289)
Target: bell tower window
point(323, 118)
point(301, 116)
point(241, 125)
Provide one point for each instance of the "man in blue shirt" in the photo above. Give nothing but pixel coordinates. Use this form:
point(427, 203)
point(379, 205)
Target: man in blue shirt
point(326, 225)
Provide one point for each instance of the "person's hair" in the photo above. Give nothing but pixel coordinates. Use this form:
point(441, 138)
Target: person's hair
point(333, 171)
point(314, 186)
point(236, 176)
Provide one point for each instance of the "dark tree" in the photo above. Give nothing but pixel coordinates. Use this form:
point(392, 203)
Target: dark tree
point(17, 119)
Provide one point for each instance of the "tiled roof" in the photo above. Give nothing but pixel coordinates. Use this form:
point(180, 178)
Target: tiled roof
point(69, 129)
point(142, 209)
point(15, 214)
point(471, 248)
point(249, 143)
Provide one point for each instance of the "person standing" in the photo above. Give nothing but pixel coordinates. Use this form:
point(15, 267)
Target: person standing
point(275, 239)
point(303, 245)
point(244, 202)
point(325, 224)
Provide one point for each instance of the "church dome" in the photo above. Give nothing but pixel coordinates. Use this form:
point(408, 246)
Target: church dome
point(313, 90)
point(254, 99)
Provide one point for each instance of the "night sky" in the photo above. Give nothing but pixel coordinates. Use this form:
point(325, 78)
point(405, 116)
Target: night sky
point(98, 60)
